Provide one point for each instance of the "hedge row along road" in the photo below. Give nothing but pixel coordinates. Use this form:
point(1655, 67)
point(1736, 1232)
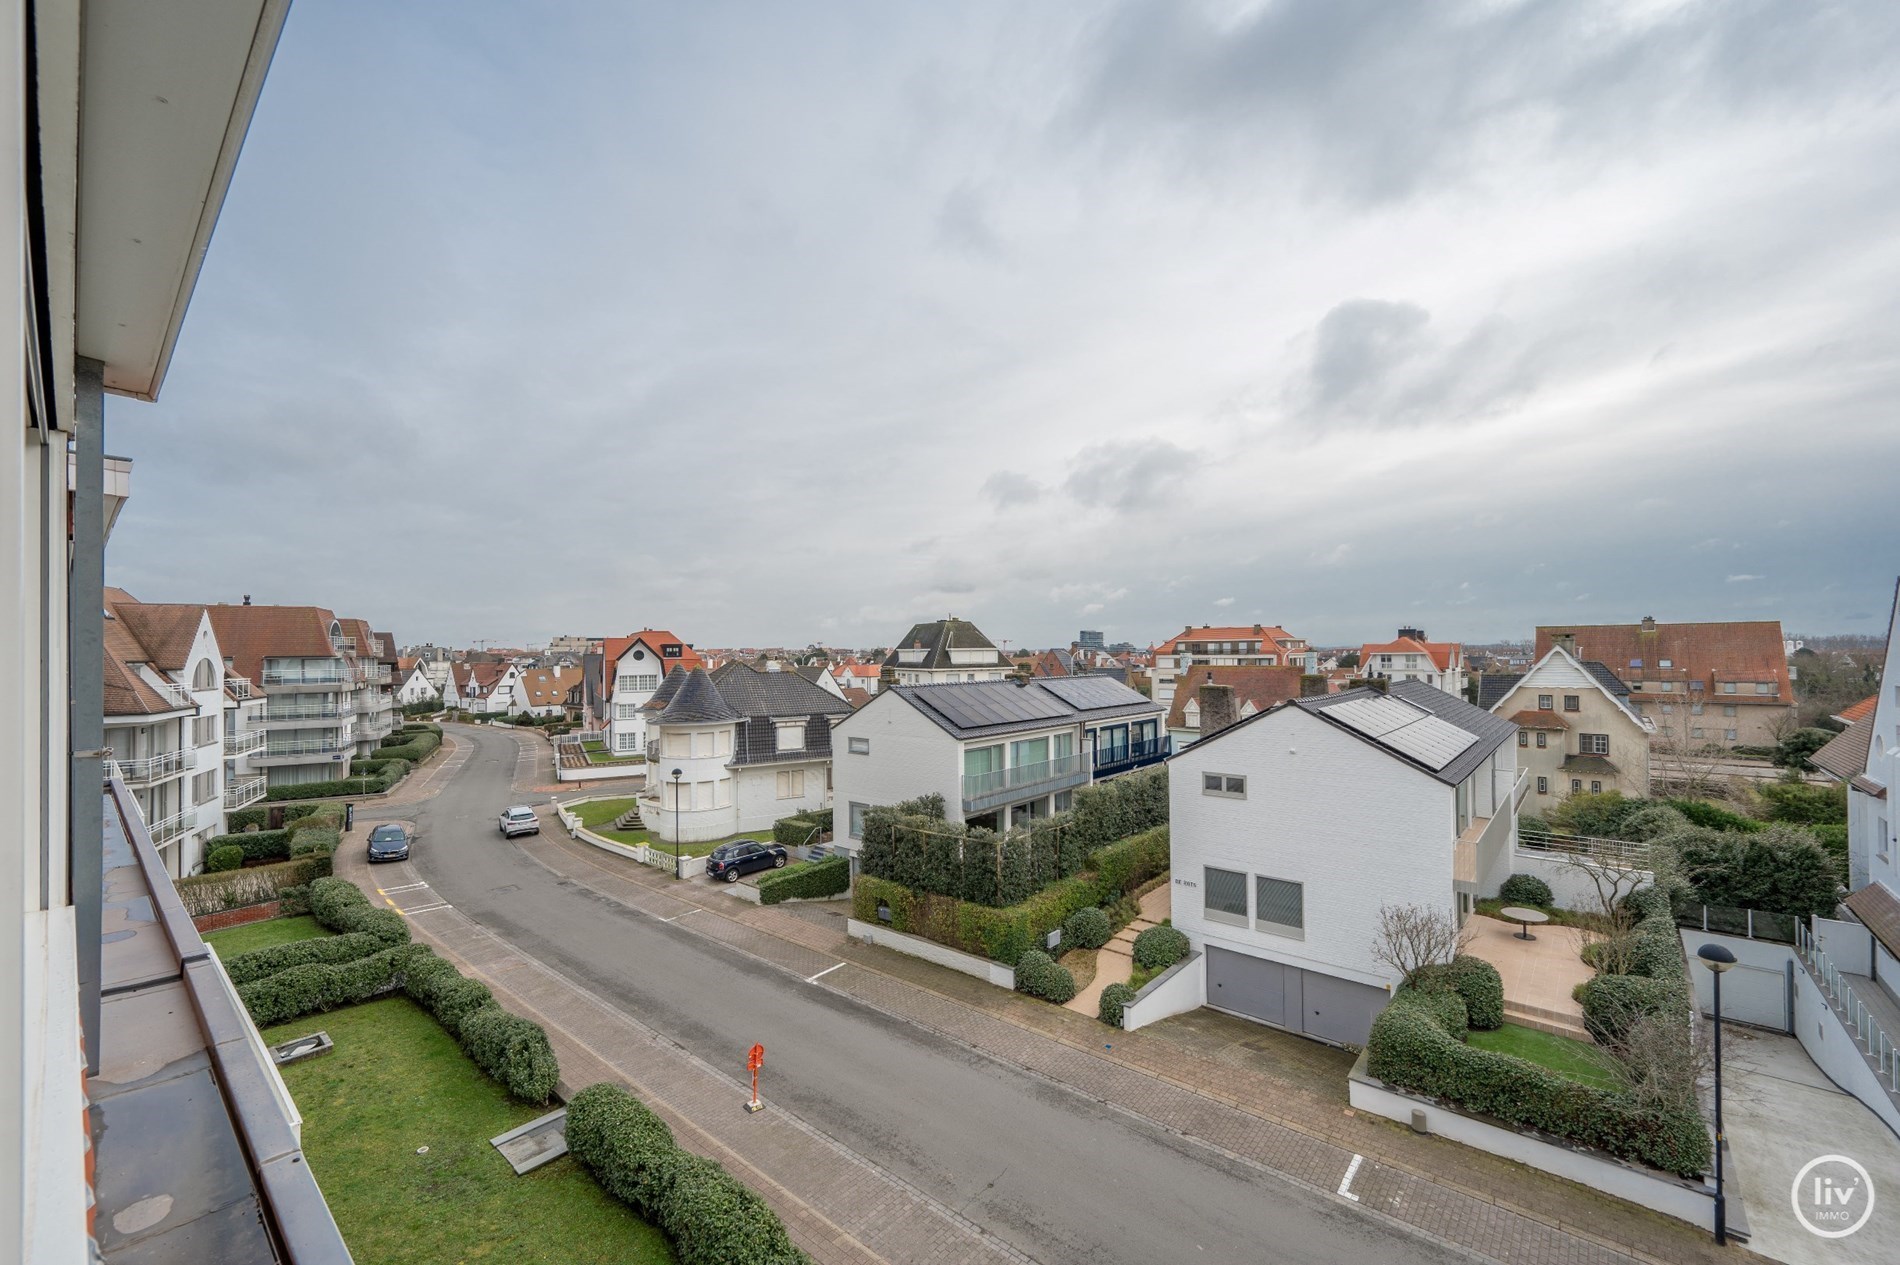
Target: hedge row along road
point(1061, 1178)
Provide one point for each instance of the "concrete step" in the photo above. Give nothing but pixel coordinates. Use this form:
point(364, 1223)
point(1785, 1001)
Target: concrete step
point(1547, 1021)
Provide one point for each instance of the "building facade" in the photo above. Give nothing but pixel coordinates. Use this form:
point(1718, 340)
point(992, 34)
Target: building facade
point(1578, 729)
point(1254, 645)
point(299, 658)
point(945, 650)
point(1410, 657)
point(632, 668)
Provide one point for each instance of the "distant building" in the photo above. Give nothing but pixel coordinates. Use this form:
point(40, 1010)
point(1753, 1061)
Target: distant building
point(1257, 645)
point(1090, 639)
point(1252, 690)
point(948, 649)
point(1577, 728)
point(1409, 657)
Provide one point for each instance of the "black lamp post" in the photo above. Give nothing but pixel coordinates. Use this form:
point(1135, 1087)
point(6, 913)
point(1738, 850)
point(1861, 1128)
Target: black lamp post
point(676, 823)
point(1718, 959)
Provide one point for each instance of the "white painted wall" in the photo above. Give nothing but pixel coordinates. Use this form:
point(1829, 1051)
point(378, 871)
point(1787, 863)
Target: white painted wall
point(757, 793)
point(1873, 824)
point(1358, 827)
point(1179, 989)
point(1755, 990)
point(1569, 886)
point(1832, 1048)
point(930, 951)
point(910, 755)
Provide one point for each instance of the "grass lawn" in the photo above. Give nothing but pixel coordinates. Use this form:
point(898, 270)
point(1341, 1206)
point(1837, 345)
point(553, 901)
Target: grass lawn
point(261, 935)
point(1575, 1059)
point(397, 1082)
point(593, 746)
point(601, 757)
point(601, 812)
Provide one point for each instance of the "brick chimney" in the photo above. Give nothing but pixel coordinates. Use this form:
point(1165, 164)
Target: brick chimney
point(1218, 708)
point(1649, 623)
point(1566, 642)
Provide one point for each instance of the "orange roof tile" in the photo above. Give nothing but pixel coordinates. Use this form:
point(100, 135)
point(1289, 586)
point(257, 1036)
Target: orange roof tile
point(247, 635)
point(1252, 632)
point(1262, 686)
point(1440, 653)
point(1743, 650)
point(1858, 711)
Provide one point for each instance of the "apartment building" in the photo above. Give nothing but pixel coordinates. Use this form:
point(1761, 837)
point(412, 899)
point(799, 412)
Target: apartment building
point(1411, 657)
point(305, 665)
point(372, 658)
point(948, 649)
point(1253, 645)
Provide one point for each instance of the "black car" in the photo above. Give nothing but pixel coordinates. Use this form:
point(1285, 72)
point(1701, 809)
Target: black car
point(729, 860)
point(390, 842)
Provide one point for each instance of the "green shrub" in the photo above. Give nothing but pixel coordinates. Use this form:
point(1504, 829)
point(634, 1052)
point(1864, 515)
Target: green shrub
point(793, 831)
point(1599, 814)
point(1612, 1003)
point(1780, 869)
point(412, 744)
point(1700, 812)
point(1526, 889)
point(1114, 997)
point(1804, 803)
point(214, 893)
point(1039, 975)
point(812, 881)
point(1478, 983)
point(316, 987)
point(1086, 929)
point(822, 817)
point(257, 846)
point(293, 902)
point(1158, 948)
point(246, 968)
point(229, 857)
point(245, 818)
point(711, 1218)
point(514, 1051)
point(341, 908)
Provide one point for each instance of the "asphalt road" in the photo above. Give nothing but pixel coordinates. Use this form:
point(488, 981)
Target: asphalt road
point(1061, 1177)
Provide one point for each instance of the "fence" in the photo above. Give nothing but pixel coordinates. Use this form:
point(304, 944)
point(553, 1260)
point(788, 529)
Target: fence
point(1852, 1011)
point(659, 858)
point(1755, 924)
point(1612, 852)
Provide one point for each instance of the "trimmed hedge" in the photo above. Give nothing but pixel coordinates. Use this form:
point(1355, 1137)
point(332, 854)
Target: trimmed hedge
point(316, 987)
point(1479, 987)
point(343, 909)
point(1526, 889)
point(711, 1217)
point(214, 893)
point(414, 744)
point(1415, 1045)
point(821, 816)
point(1158, 948)
point(228, 857)
point(1613, 1003)
point(793, 831)
point(1114, 998)
point(812, 881)
point(247, 968)
point(257, 845)
point(1086, 929)
point(259, 816)
point(1040, 975)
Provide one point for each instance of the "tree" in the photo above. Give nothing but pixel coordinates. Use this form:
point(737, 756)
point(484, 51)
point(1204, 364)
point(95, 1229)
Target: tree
point(1414, 936)
point(1793, 750)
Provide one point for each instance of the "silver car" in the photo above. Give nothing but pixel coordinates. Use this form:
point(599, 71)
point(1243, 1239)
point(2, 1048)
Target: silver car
point(519, 820)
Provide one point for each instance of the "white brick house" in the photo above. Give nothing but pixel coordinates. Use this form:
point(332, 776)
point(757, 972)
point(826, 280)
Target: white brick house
point(1291, 830)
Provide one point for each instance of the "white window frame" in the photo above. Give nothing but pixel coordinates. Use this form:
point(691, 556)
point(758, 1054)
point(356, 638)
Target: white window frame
point(1229, 786)
point(791, 783)
point(1292, 931)
point(854, 819)
point(1228, 917)
point(788, 735)
point(857, 746)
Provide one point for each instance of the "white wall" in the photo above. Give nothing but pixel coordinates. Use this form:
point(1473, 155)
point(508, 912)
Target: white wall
point(1831, 1046)
point(910, 755)
point(1358, 827)
point(929, 950)
point(1179, 989)
point(757, 793)
point(1569, 886)
point(1755, 990)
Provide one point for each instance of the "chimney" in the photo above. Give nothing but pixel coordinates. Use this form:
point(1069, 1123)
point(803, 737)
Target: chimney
point(247, 599)
point(1415, 634)
point(1218, 709)
point(1566, 642)
point(1649, 621)
point(1314, 685)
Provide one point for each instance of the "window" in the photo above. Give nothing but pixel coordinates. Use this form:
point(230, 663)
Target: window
point(203, 788)
point(1665, 663)
point(1764, 687)
point(978, 761)
point(855, 821)
point(204, 730)
point(1695, 733)
point(1695, 709)
point(676, 744)
point(1224, 784)
point(791, 783)
point(1669, 709)
point(204, 676)
point(1546, 702)
point(623, 683)
point(1523, 738)
point(1543, 740)
point(1279, 906)
point(1695, 687)
point(1573, 703)
point(791, 736)
point(1596, 788)
point(1576, 785)
point(1728, 735)
point(1593, 744)
point(1065, 800)
point(702, 795)
point(1224, 896)
point(626, 742)
point(1669, 687)
point(702, 742)
point(858, 746)
point(1543, 786)
point(1728, 687)
point(626, 711)
point(1031, 751)
point(1728, 709)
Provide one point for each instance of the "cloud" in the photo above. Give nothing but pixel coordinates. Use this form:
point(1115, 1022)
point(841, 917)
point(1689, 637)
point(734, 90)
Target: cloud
point(1223, 601)
point(1743, 579)
point(1093, 608)
point(1129, 474)
point(1334, 556)
point(1007, 488)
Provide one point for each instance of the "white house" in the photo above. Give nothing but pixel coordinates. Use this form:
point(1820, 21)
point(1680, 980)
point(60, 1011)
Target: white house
point(1292, 829)
point(1251, 645)
point(1410, 657)
point(416, 686)
point(632, 668)
point(999, 752)
point(495, 688)
point(948, 649)
point(735, 750)
point(855, 675)
point(1578, 729)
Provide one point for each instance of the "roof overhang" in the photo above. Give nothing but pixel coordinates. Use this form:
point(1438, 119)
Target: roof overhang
point(166, 94)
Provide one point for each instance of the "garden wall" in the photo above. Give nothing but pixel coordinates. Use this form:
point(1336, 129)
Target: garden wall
point(930, 951)
point(1756, 991)
point(1569, 887)
point(1177, 990)
point(1831, 1045)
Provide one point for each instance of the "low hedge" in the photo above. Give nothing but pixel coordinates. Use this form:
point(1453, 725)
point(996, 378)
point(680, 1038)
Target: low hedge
point(711, 1217)
point(321, 790)
point(258, 817)
point(821, 817)
point(1158, 948)
point(340, 907)
point(247, 968)
point(1612, 1003)
point(1476, 982)
point(1415, 1046)
point(1042, 976)
point(203, 894)
point(1086, 929)
point(319, 986)
point(412, 744)
point(1526, 889)
point(793, 831)
point(812, 881)
point(228, 857)
point(1114, 998)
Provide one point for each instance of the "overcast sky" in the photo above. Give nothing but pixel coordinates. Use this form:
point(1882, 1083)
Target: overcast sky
point(775, 323)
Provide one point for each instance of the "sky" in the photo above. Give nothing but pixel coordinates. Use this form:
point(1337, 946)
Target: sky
point(771, 324)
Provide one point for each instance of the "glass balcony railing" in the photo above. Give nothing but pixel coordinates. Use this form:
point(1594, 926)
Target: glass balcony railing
point(243, 793)
point(338, 675)
point(1022, 781)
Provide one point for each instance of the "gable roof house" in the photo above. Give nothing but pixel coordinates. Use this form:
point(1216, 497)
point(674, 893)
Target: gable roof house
point(1290, 830)
point(415, 685)
point(852, 675)
point(735, 750)
point(948, 649)
point(1247, 692)
point(999, 752)
point(551, 691)
point(1255, 645)
point(1733, 677)
point(1867, 757)
point(1578, 728)
point(1410, 657)
point(631, 670)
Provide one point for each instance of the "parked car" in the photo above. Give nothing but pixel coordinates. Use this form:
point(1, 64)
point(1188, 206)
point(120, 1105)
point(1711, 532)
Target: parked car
point(729, 860)
point(519, 820)
point(390, 842)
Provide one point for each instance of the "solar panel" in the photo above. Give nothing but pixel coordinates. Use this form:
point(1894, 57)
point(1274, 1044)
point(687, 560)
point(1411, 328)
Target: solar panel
point(1089, 693)
point(980, 704)
point(1376, 715)
point(1434, 743)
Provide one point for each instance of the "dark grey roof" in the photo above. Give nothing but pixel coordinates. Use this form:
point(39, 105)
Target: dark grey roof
point(694, 701)
point(1606, 678)
point(1493, 686)
point(750, 692)
point(1490, 731)
point(938, 639)
point(591, 671)
point(980, 708)
point(1845, 754)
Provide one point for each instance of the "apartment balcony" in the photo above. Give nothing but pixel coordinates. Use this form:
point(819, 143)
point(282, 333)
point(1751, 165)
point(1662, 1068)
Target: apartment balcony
point(301, 715)
point(306, 751)
point(243, 742)
point(281, 679)
point(242, 794)
point(985, 791)
point(176, 826)
point(1136, 755)
point(157, 768)
point(239, 686)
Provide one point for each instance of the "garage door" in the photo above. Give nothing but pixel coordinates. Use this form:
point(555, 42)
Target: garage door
point(1307, 1002)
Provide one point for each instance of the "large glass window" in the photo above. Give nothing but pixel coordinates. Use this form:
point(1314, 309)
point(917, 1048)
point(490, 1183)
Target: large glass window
point(1279, 906)
point(980, 760)
point(1225, 896)
point(1111, 743)
point(1062, 745)
point(856, 825)
point(1029, 751)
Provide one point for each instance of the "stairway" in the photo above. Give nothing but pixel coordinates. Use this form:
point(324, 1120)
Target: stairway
point(1555, 1022)
point(629, 820)
point(1114, 964)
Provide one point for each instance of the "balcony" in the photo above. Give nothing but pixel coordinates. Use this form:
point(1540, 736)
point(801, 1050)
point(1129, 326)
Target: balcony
point(1136, 755)
point(306, 751)
point(176, 826)
point(239, 686)
point(301, 715)
point(308, 678)
point(243, 742)
point(156, 768)
point(242, 794)
point(984, 791)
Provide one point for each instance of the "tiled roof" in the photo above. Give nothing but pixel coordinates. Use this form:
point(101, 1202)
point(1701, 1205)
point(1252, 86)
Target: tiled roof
point(654, 638)
point(1493, 686)
point(487, 674)
point(856, 696)
point(1441, 653)
point(1863, 710)
point(545, 689)
point(247, 635)
point(938, 639)
point(1747, 650)
point(166, 630)
point(1264, 687)
point(860, 671)
point(1251, 632)
point(1587, 766)
point(1878, 906)
point(751, 692)
point(697, 701)
point(1845, 754)
point(125, 693)
point(1539, 720)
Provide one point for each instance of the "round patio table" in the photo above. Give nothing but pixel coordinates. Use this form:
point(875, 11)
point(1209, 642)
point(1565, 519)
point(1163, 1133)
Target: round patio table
point(1525, 918)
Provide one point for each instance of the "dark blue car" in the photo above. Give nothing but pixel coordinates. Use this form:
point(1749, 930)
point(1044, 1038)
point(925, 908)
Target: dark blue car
point(390, 842)
point(729, 860)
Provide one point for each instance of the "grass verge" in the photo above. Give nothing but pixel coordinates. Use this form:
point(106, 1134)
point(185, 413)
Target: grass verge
point(600, 812)
point(1575, 1059)
point(395, 1083)
point(262, 935)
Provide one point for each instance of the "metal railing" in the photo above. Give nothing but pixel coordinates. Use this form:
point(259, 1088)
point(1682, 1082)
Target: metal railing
point(243, 741)
point(154, 768)
point(308, 746)
point(169, 828)
point(1020, 778)
point(1850, 1010)
point(1134, 755)
point(239, 686)
point(243, 793)
point(281, 715)
point(338, 675)
point(1755, 924)
point(1619, 852)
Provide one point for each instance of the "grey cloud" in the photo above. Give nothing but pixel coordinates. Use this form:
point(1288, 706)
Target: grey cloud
point(1008, 487)
point(1130, 474)
point(1360, 343)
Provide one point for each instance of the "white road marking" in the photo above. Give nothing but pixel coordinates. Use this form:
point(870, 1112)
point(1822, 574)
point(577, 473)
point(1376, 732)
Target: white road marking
point(813, 979)
point(1346, 1181)
point(406, 887)
point(424, 909)
point(677, 917)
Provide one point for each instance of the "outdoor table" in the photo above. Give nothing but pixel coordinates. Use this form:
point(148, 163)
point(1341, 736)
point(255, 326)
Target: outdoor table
point(1524, 918)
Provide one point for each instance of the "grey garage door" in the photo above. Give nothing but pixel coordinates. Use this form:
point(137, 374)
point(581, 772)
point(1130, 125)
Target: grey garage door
point(1307, 1002)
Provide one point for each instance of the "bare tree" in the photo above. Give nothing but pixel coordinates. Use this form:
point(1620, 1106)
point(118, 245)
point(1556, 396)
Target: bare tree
point(1660, 1060)
point(1685, 765)
point(1412, 936)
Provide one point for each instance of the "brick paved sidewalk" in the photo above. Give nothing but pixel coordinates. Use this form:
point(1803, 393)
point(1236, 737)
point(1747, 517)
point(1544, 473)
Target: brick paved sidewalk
point(1274, 1100)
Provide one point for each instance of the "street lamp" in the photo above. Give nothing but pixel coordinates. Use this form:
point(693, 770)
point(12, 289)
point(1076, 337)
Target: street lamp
point(676, 823)
point(1718, 959)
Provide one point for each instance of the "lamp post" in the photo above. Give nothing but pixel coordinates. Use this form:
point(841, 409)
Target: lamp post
point(676, 823)
point(1718, 959)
